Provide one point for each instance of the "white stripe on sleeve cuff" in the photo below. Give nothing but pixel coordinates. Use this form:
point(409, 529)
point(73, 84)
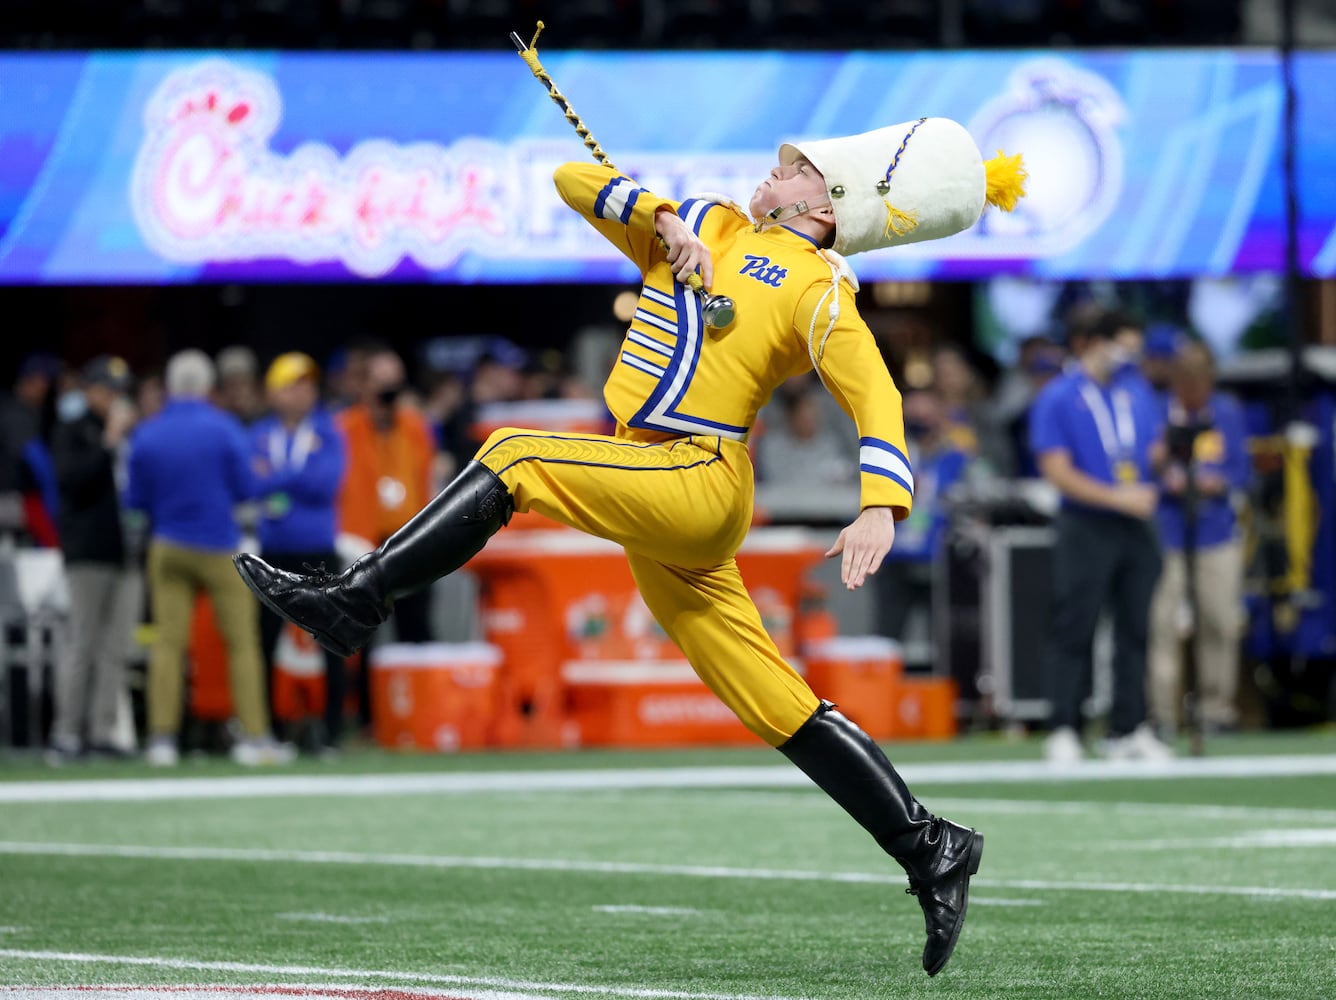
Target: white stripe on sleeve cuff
point(872, 458)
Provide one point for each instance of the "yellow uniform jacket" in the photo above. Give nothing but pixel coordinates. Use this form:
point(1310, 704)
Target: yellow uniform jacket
point(675, 378)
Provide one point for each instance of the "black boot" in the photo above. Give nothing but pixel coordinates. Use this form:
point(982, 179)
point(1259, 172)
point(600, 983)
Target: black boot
point(342, 611)
point(938, 855)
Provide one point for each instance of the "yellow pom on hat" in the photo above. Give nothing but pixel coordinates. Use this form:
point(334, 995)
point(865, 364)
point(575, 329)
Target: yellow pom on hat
point(1006, 177)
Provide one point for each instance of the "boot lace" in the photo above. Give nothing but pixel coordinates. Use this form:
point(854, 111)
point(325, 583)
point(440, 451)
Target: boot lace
point(318, 574)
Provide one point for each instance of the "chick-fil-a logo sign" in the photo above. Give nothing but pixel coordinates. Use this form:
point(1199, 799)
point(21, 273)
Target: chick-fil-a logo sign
point(207, 187)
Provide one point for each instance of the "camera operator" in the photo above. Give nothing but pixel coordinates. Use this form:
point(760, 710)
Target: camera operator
point(1203, 463)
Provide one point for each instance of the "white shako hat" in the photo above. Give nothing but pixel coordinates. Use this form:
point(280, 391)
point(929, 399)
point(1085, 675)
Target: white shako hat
point(919, 180)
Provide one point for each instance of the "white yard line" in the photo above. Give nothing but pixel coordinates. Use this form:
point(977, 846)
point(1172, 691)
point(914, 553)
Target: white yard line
point(977, 900)
point(1029, 807)
point(812, 798)
point(1261, 892)
point(249, 968)
point(294, 991)
point(1243, 841)
point(250, 856)
point(329, 918)
point(651, 911)
point(764, 776)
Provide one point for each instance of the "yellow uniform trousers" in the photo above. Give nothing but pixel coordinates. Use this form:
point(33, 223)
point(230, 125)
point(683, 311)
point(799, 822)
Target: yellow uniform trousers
point(681, 509)
point(175, 575)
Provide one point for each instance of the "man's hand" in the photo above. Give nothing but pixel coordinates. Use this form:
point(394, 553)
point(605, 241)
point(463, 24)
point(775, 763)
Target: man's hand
point(1137, 500)
point(864, 545)
point(686, 252)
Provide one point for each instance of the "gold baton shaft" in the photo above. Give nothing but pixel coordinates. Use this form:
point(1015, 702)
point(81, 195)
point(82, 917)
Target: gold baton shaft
point(529, 53)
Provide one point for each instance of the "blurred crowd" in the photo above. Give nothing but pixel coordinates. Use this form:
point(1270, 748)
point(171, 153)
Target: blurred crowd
point(1148, 465)
point(148, 482)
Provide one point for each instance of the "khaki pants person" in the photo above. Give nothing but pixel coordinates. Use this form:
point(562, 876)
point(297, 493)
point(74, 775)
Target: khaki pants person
point(1219, 608)
point(175, 575)
point(90, 676)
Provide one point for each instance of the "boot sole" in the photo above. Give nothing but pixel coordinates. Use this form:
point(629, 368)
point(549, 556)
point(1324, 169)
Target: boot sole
point(328, 641)
point(971, 868)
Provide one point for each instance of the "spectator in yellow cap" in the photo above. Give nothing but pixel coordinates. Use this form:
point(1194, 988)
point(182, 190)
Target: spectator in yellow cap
point(300, 459)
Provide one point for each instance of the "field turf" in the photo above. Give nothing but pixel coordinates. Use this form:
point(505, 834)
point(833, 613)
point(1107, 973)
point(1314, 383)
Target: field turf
point(1149, 887)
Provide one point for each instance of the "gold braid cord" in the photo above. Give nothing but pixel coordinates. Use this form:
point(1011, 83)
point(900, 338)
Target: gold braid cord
point(899, 223)
point(530, 57)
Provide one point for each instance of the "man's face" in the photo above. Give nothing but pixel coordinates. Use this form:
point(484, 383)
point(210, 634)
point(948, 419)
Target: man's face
point(1159, 371)
point(296, 399)
point(384, 379)
point(798, 181)
point(1193, 389)
point(99, 397)
point(805, 418)
point(1131, 341)
point(1098, 355)
point(32, 389)
point(923, 413)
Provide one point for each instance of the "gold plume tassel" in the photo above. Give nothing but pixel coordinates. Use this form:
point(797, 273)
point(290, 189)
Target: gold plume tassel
point(899, 223)
point(1006, 180)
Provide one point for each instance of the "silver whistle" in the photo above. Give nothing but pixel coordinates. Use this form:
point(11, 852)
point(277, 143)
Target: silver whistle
point(718, 311)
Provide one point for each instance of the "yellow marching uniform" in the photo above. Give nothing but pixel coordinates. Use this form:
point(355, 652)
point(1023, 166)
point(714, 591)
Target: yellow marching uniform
point(674, 485)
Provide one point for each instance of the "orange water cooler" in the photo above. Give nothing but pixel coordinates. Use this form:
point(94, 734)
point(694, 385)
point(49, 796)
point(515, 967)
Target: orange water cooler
point(434, 696)
point(646, 704)
point(925, 708)
point(860, 674)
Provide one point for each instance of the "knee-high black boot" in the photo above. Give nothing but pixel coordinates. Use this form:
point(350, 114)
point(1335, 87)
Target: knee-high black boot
point(938, 855)
point(343, 610)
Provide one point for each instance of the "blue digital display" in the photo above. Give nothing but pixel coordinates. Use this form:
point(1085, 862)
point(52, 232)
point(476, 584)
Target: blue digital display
point(191, 167)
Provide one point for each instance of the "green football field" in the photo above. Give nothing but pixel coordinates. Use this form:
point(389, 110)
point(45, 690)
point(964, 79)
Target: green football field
point(703, 874)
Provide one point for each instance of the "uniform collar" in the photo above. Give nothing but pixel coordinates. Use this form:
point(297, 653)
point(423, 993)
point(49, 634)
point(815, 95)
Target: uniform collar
point(784, 234)
point(801, 236)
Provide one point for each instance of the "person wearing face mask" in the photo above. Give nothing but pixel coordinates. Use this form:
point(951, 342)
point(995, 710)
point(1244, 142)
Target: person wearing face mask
point(674, 486)
point(1129, 348)
point(1092, 432)
point(905, 582)
point(88, 455)
point(391, 452)
point(300, 459)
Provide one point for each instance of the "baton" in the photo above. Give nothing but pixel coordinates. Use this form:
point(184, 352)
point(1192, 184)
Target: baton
point(718, 311)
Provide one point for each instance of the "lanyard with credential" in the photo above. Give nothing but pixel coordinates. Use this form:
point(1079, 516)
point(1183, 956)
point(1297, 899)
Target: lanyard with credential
point(303, 443)
point(1117, 430)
